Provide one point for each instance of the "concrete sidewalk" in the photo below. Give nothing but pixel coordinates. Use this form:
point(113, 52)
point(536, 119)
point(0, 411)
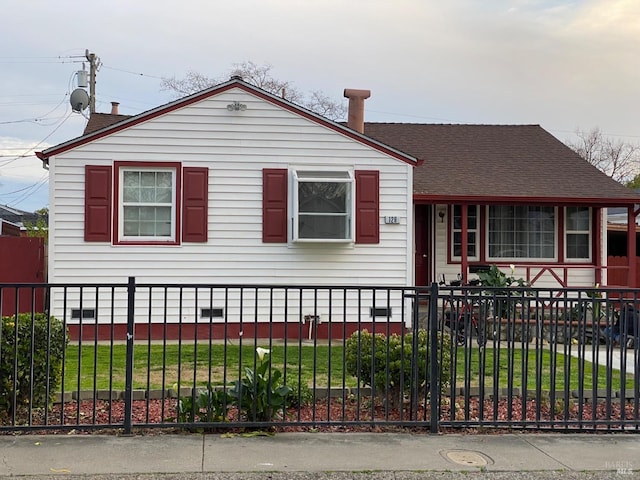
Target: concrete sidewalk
point(322, 455)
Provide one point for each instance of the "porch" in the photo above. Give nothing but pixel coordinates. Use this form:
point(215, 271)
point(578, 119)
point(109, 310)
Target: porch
point(548, 245)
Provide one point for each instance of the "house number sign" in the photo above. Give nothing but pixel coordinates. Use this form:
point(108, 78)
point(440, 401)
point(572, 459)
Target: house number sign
point(391, 220)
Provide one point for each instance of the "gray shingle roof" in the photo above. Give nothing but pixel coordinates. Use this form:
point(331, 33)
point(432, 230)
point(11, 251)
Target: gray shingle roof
point(509, 161)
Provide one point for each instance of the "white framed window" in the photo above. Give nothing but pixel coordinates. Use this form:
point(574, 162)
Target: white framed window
point(147, 204)
point(577, 233)
point(473, 233)
point(521, 232)
point(323, 206)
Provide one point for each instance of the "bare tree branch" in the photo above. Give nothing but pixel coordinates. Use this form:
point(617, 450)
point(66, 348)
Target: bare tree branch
point(260, 76)
point(193, 82)
point(319, 103)
point(617, 159)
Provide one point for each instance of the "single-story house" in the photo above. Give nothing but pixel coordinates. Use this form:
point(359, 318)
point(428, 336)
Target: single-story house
point(235, 185)
point(232, 185)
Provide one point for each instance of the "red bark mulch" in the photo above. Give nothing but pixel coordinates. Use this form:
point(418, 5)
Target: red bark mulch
point(338, 416)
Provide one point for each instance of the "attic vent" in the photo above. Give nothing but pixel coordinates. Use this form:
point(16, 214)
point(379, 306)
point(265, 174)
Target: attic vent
point(211, 312)
point(380, 312)
point(86, 313)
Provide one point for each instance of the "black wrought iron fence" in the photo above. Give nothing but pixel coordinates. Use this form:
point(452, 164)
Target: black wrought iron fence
point(533, 358)
point(131, 356)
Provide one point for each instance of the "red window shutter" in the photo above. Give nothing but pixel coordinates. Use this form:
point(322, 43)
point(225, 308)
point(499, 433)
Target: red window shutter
point(274, 205)
point(195, 202)
point(97, 203)
point(367, 206)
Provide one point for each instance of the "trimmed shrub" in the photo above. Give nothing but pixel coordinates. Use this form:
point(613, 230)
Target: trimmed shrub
point(31, 351)
point(385, 362)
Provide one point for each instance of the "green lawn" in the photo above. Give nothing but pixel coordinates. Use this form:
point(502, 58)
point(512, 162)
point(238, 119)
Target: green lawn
point(533, 367)
point(156, 366)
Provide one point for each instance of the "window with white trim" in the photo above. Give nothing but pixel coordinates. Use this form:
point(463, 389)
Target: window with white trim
point(521, 231)
point(472, 232)
point(578, 233)
point(147, 206)
point(323, 206)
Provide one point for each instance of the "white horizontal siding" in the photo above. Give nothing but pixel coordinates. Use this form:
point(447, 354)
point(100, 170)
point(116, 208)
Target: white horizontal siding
point(172, 305)
point(236, 147)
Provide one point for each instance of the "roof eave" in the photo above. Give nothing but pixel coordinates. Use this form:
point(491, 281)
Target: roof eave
point(514, 200)
point(217, 89)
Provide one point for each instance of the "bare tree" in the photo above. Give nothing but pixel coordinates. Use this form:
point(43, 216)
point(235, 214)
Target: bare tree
point(260, 76)
point(191, 83)
point(617, 159)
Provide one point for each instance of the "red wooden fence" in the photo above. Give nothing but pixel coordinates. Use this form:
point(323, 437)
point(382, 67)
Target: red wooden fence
point(22, 260)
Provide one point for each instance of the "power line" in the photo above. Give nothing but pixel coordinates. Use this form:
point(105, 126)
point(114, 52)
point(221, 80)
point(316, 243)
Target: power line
point(137, 74)
point(31, 190)
point(39, 143)
point(38, 121)
point(19, 156)
point(21, 189)
point(42, 117)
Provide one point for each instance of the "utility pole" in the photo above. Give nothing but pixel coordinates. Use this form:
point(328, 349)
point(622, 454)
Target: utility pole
point(94, 64)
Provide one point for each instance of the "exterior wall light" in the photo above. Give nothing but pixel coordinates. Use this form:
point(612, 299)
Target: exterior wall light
point(236, 107)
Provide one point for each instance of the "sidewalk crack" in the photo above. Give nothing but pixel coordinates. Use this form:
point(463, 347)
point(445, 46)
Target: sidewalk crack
point(546, 454)
point(202, 456)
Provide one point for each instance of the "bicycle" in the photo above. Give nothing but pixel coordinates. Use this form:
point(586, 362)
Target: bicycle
point(467, 311)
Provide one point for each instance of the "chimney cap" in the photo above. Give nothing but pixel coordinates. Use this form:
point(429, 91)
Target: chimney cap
point(356, 93)
point(114, 108)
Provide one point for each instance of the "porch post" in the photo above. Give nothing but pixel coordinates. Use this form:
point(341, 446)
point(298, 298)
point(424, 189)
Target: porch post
point(464, 262)
point(599, 257)
point(631, 246)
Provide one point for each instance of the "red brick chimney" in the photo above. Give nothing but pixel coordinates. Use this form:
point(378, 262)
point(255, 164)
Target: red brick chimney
point(355, 121)
point(114, 108)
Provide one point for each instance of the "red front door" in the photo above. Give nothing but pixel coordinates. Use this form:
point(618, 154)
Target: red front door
point(424, 275)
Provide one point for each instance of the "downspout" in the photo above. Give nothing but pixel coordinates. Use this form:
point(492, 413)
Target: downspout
point(631, 246)
point(464, 261)
point(598, 260)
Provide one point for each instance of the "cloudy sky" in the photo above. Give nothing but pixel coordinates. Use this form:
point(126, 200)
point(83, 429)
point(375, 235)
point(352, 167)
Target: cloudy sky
point(563, 64)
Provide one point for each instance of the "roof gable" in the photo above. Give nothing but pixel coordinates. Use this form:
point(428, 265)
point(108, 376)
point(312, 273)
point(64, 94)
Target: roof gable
point(99, 130)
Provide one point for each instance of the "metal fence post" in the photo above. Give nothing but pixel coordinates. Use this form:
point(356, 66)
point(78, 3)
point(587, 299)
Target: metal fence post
point(128, 388)
point(434, 376)
point(415, 359)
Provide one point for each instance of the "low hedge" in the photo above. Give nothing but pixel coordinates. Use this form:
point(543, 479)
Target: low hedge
point(385, 362)
point(31, 353)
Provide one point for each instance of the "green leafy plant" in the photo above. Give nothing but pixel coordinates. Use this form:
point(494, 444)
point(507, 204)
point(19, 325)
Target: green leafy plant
point(31, 352)
point(205, 405)
point(40, 228)
point(386, 362)
point(499, 284)
point(300, 394)
point(260, 394)
point(496, 278)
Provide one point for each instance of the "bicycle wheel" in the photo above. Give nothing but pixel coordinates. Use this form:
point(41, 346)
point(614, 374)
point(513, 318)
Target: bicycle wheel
point(463, 326)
